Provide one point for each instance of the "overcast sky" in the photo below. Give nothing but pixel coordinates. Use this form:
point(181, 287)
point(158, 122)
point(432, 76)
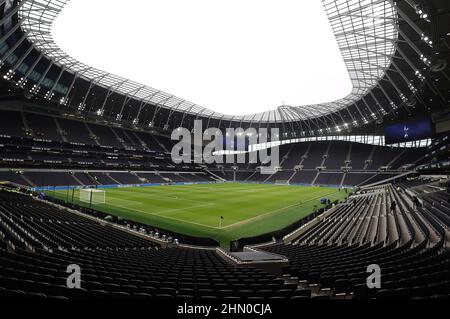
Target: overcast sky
point(235, 57)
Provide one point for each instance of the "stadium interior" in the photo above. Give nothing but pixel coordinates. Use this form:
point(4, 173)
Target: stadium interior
point(87, 175)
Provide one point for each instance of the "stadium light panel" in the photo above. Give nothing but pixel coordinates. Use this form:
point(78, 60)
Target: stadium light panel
point(233, 57)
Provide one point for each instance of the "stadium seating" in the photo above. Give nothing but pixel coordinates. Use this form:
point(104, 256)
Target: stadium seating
point(315, 155)
point(11, 124)
point(408, 244)
point(115, 264)
point(360, 153)
point(329, 179)
point(76, 131)
point(104, 135)
point(284, 175)
point(304, 177)
point(43, 126)
point(329, 258)
point(13, 177)
point(51, 179)
point(294, 154)
point(125, 178)
point(337, 155)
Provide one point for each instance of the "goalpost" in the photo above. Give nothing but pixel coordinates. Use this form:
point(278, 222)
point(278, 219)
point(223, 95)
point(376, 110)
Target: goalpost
point(92, 196)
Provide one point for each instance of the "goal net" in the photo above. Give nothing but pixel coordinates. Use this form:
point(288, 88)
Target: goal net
point(94, 196)
point(282, 182)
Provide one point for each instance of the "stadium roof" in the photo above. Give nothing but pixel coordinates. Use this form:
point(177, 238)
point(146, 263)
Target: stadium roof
point(365, 30)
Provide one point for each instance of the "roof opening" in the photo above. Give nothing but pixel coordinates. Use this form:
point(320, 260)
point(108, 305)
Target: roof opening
point(234, 57)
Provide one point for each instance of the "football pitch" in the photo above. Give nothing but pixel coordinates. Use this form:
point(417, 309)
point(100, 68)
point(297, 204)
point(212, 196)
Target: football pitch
point(196, 210)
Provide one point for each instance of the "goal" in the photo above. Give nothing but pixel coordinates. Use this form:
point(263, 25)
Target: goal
point(282, 182)
point(94, 196)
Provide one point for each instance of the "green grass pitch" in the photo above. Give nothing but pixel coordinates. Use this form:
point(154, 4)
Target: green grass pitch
point(248, 209)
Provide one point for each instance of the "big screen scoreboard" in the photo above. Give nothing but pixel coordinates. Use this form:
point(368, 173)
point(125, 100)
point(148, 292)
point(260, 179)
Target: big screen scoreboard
point(416, 130)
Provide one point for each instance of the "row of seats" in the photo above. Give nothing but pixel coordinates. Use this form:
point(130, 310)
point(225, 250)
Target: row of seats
point(336, 154)
point(76, 131)
point(307, 177)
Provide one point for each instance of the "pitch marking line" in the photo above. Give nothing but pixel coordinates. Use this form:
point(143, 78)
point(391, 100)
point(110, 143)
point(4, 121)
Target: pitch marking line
point(243, 222)
point(240, 223)
point(246, 221)
point(134, 203)
point(144, 194)
point(180, 209)
point(167, 217)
